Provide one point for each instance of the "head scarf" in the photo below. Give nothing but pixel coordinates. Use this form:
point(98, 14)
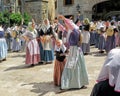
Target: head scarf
point(61, 47)
point(111, 69)
point(86, 21)
point(46, 25)
point(30, 27)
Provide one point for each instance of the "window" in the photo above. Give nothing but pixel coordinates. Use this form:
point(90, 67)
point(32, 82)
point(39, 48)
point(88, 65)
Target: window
point(68, 2)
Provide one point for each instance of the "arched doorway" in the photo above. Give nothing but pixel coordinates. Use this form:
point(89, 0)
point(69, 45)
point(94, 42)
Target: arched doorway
point(106, 10)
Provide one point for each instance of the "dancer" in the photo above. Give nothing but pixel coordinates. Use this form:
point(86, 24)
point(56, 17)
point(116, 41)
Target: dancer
point(60, 51)
point(46, 42)
point(3, 45)
point(32, 47)
point(74, 74)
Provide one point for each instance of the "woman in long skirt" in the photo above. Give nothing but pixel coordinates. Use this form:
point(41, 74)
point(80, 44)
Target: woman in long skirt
point(110, 40)
point(32, 47)
point(16, 42)
point(46, 42)
point(101, 43)
point(74, 74)
point(86, 40)
point(3, 46)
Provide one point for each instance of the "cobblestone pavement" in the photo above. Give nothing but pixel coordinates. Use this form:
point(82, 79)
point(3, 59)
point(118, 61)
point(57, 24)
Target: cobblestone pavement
point(18, 79)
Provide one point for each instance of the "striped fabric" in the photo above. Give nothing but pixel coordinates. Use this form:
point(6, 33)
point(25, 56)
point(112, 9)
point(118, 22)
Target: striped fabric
point(32, 52)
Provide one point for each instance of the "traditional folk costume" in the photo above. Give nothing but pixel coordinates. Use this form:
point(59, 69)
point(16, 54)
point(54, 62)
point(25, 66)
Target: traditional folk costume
point(109, 77)
point(74, 74)
point(3, 46)
point(60, 51)
point(46, 43)
point(32, 47)
point(102, 39)
point(110, 40)
point(86, 40)
point(97, 34)
point(16, 42)
point(65, 34)
point(23, 42)
point(117, 34)
point(92, 33)
point(117, 37)
point(8, 38)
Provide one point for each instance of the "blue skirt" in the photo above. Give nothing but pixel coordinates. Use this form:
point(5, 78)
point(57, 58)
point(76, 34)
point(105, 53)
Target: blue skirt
point(16, 46)
point(96, 39)
point(46, 55)
point(110, 43)
point(92, 38)
point(101, 44)
point(3, 48)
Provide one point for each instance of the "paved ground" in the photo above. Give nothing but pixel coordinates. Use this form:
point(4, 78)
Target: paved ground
point(17, 79)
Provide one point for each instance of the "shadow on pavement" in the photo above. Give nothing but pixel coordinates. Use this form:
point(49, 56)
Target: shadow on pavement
point(43, 88)
point(25, 66)
point(18, 55)
point(18, 67)
point(97, 54)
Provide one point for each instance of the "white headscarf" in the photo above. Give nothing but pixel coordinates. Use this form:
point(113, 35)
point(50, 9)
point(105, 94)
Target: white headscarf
point(111, 69)
point(62, 47)
point(44, 27)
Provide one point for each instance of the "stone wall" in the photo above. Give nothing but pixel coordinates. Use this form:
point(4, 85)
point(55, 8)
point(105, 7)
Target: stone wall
point(85, 7)
point(41, 9)
point(38, 9)
point(51, 10)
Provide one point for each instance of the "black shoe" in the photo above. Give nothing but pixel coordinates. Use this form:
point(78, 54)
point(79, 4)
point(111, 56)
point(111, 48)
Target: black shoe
point(85, 53)
point(101, 51)
point(83, 87)
point(4, 59)
point(32, 65)
point(40, 62)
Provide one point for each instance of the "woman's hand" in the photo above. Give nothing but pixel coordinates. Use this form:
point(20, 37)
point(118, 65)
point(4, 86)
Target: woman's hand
point(61, 17)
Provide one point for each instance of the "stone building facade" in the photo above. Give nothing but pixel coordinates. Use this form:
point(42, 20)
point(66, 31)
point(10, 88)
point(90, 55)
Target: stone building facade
point(37, 9)
point(10, 5)
point(85, 7)
point(40, 9)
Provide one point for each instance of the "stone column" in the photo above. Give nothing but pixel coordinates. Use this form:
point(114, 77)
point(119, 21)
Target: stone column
point(51, 10)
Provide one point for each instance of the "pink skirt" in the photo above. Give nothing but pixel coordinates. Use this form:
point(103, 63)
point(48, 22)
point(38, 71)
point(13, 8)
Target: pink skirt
point(32, 53)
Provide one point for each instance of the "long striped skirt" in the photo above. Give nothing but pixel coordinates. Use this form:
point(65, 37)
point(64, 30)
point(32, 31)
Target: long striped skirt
point(32, 52)
point(74, 74)
point(110, 43)
point(101, 43)
point(3, 48)
point(16, 44)
point(85, 47)
point(92, 38)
